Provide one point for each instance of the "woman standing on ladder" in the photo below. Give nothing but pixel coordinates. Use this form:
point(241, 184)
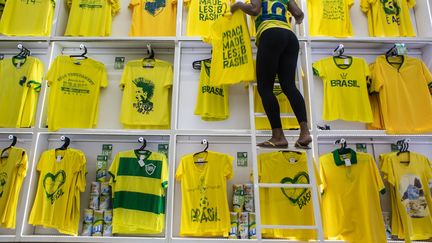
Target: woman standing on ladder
point(278, 49)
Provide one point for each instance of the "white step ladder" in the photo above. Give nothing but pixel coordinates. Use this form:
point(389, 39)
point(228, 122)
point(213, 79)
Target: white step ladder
point(313, 182)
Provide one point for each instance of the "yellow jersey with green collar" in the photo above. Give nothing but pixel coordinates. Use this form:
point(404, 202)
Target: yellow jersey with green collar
point(351, 209)
point(204, 207)
point(13, 169)
point(345, 84)
point(20, 83)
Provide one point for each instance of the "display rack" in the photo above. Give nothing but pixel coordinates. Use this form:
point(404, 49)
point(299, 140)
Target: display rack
point(187, 130)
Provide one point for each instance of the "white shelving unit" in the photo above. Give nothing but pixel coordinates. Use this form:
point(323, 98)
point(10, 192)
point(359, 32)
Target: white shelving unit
point(187, 130)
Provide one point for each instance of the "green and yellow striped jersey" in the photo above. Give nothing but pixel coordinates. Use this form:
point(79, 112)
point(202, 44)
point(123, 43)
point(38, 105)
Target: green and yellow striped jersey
point(138, 180)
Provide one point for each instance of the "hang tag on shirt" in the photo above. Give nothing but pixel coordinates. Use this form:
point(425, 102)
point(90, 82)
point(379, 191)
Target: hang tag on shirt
point(59, 158)
point(18, 65)
point(141, 160)
point(347, 162)
point(292, 160)
point(200, 160)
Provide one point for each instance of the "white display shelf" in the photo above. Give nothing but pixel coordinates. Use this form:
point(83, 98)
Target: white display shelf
point(65, 131)
point(55, 238)
point(23, 38)
point(113, 38)
point(367, 133)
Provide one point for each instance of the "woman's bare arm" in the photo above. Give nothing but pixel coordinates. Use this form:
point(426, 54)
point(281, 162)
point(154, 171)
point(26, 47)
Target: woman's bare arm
point(253, 8)
point(296, 12)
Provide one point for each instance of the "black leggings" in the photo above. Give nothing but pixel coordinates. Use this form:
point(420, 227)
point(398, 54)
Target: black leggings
point(277, 54)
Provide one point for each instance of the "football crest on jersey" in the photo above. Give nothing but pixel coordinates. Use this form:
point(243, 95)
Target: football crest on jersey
point(143, 95)
point(3, 180)
point(150, 168)
point(155, 7)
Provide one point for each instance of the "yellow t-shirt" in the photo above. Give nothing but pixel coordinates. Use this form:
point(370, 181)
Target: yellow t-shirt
point(205, 209)
point(412, 182)
point(13, 169)
point(91, 17)
point(389, 18)
point(138, 192)
point(405, 100)
point(27, 17)
point(57, 200)
point(232, 60)
point(330, 18)
point(20, 83)
point(212, 101)
point(146, 94)
point(153, 17)
point(202, 14)
point(282, 206)
point(345, 88)
point(273, 14)
point(378, 123)
point(351, 208)
point(262, 123)
point(74, 92)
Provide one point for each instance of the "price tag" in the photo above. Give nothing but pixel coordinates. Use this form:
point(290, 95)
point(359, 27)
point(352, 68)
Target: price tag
point(292, 160)
point(141, 160)
point(119, 62)
point(59, 158)
point(347, 162)
point(242, 159)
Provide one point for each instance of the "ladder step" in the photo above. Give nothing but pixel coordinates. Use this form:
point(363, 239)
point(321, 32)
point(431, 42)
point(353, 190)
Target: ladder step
point(311, 227)
point(279, 185)
point(282, 115)
point(294, 149)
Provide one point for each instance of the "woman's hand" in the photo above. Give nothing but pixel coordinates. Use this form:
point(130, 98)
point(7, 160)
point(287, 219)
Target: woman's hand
point(235, 6)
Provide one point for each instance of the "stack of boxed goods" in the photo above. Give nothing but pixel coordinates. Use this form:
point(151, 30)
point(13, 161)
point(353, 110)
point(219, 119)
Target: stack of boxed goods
point(243, 217)
point(98, 217)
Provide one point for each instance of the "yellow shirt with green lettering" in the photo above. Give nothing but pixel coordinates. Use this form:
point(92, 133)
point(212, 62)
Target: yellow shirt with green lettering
point(232, 60)
point(204, 206)
point(146, 94)
point(389, 18)
point(202, 14)
point(405, 99)
point(410, 176)
point(27, 17)
point(274, 14)
point(74, 92)
point(13, 169)
point(61, 179)
point(212, 102)
point(330, 18)
point(20, 82)
point(282, 206)
point(351, 210)
point(153, 17)
point(345, 84)
point(138, 180)
point(91, 17)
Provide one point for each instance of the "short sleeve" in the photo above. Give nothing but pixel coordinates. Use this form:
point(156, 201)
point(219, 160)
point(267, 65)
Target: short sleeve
point(133, 3)
point(318, 69)
point(164, 172)
point(22, 166)
point(228, 167)
point(69, 3)
point(40, 164)
point(411, 3)
point(350, 3)
point(322, 175)
point(366, 69)
point(169, 76)
point(179, 172)
point(115, 7)
point(427, 75)
point(112, 171)
point(377, 176)
point(104, 77)
point(375, 84)
point(52, 72)
point(187, 3)
point(81, 183)
point(36, 75)
point(386, 169)
point(125, 77)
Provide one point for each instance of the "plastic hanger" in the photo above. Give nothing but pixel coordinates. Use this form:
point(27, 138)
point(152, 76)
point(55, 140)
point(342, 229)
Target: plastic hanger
point(343, 146)
point(148, 61)
point(403, 148)
point(82, 55)
point(393, 52)
point(14, 141)
point(197, 64)
point(65, 144)
point(143, 146)
point(206, 143)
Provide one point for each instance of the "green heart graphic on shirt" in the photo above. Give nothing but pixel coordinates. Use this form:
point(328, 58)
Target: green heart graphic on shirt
point(52, 183)
point(294, 194)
